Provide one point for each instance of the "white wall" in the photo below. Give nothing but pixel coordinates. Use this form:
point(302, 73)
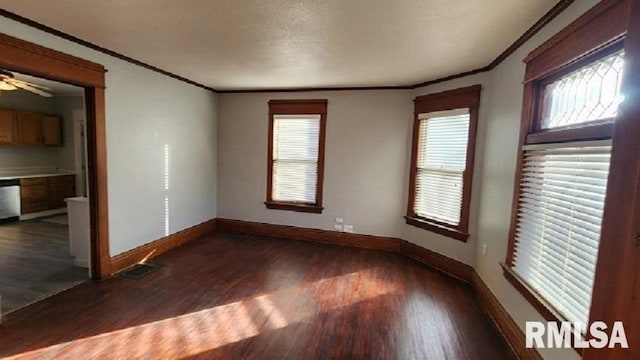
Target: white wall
point(365, 179)
point(64, 107)
point(368, 152)
point(144, 112)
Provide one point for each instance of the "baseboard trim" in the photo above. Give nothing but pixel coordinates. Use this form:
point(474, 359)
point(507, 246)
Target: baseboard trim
point(509, 329)
point(437, 261)
point(150, 250)
point(430, 258)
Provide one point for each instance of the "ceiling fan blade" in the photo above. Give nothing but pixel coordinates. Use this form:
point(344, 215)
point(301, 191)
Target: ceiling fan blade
point(6, 86)
point(29, 84)
point(24, 86)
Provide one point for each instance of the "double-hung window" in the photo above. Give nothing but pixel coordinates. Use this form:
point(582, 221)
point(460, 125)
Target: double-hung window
point(296, 154)
point(442, 161)
point(562, 182)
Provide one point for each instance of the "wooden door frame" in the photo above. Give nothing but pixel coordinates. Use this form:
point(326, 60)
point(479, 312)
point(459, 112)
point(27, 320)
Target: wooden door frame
point(25, 57)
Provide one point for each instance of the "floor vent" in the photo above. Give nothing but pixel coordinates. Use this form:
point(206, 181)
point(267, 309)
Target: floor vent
point(139, 270)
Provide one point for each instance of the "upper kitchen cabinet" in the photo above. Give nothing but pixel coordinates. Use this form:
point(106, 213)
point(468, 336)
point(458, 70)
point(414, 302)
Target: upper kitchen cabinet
point(27, 128)
point(8, 128)
point(51, 131)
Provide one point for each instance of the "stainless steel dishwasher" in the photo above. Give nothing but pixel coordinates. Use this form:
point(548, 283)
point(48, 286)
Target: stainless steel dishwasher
point(9, 200)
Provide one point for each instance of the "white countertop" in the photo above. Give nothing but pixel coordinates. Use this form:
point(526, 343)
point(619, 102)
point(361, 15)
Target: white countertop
point(10, 175)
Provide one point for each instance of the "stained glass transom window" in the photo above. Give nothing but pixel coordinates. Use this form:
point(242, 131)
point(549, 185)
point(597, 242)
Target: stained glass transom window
point(587, 94)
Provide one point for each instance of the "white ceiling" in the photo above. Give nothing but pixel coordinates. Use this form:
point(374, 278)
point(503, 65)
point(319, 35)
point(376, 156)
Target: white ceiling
point(253, 44)
point(55, 88)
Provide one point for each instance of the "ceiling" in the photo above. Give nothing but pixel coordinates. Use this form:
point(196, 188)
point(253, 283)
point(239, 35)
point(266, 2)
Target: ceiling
point(55, 88)
point(253, 44)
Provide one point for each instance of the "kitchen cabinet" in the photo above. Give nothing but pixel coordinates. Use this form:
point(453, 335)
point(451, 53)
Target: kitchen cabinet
point(34, 195)
point(60, 188)
point(45, 193)
point(51, 131)
point(8, 128)
point(28, 128)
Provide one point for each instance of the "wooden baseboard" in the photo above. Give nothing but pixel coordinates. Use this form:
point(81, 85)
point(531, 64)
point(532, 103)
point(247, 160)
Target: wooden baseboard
point(307, 234)
point(430, 258)
point(147, 251)
point(503, 321)
point(438, 261)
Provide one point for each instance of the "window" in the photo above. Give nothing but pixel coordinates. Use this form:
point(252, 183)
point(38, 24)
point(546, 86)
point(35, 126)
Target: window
point(442, 161)
point(588, 94)
point(560, 208)
point(296, 154)
point(442, 158)
point(563, 171)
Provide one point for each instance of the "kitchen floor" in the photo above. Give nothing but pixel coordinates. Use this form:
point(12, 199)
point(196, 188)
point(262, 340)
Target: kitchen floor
point(35, 261)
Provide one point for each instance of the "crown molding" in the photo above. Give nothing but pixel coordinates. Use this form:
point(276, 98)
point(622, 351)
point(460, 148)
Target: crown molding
point(61, 34)
point(534, 29)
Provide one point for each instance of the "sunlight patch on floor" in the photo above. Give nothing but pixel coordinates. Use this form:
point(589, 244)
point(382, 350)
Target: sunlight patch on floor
point(197, 332)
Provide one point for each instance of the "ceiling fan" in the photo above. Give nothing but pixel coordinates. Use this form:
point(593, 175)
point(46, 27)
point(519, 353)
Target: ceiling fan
point(8, 82)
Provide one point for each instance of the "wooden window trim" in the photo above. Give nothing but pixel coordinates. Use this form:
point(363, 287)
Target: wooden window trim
point(531, 295)
point(467, 97)
point(598, 131)
point(601, 25)
point(616, 286)
point(599, 31)
point(438, 228)
point(297, 107)
point(292, 206)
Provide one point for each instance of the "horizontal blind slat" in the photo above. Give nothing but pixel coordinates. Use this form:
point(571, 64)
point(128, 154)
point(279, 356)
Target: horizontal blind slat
point(295, 158)
point(559, 222)
point(441, 161)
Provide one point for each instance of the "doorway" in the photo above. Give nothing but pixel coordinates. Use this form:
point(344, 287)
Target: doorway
point(44, 234)
point(24, 57)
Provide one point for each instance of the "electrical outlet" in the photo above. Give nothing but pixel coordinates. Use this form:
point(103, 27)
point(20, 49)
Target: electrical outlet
point(337, 227)
point(484, 249)
point(348, 228)
point(339, 220)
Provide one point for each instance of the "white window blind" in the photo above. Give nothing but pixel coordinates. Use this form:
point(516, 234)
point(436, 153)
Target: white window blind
point(442, 160)
point(558, 224)
point(295, 158)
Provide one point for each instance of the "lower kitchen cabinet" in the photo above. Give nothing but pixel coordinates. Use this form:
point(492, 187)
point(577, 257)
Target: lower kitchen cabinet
point(46, 193)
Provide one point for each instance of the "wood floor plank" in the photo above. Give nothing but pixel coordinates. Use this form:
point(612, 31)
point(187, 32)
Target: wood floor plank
point(35, 262)
point(254, 297)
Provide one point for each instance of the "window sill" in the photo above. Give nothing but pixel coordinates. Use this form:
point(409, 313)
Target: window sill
point(529, 294)
point(535, 300)
point(308, 208)
point(437, 228)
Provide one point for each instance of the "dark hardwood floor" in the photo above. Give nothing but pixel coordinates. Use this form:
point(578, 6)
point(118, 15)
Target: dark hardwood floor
point(35, 262)
point(233, 296)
